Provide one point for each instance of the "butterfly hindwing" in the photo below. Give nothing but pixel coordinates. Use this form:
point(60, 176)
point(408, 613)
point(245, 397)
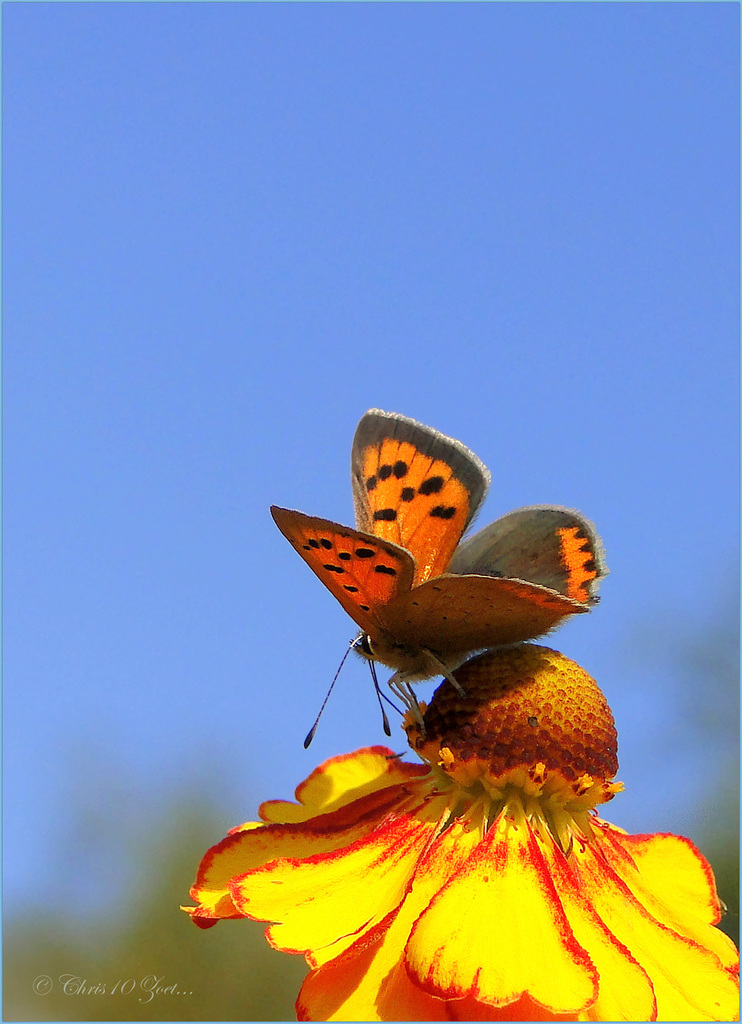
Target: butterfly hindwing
point(548, 545)
point(455, 615)
point(415, 487)
point(363, 572)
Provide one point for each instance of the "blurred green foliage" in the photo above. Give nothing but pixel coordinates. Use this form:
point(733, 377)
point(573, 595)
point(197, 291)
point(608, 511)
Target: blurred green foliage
point(225, 973)
point(708, 669)
point(720, 845)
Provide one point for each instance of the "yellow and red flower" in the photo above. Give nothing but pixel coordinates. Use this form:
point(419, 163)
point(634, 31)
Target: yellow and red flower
point(480, 884)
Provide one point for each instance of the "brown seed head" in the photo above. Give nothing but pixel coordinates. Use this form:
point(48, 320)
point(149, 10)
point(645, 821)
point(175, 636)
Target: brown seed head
point(525, 708)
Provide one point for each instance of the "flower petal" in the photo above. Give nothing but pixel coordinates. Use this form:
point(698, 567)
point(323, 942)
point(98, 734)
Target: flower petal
point(689, 980)
point(321, 904)
point(625, 991)
point(675, 883)
point(497, 929)
point(365, 987)
point(244, 850)
point(369, 981)
point(341, 780)
point(522, 1009)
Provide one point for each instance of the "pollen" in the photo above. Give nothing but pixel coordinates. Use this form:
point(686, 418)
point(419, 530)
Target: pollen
point(529, 717)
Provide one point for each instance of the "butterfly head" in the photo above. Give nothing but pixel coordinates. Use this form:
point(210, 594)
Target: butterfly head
point(412, 662)
point(362, 645)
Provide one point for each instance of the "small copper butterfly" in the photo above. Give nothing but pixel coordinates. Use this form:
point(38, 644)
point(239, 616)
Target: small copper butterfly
point(423, 599)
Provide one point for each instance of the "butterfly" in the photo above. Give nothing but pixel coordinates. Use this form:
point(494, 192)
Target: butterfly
point(423, 598)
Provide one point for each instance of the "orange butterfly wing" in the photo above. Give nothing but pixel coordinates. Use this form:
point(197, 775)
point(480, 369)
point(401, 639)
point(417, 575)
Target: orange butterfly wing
point(414, 487)
point(455, 615)
point(362, 571)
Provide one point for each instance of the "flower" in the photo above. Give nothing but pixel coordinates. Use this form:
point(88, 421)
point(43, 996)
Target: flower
point(480, 884)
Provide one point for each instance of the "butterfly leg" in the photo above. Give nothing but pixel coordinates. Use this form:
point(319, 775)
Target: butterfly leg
point(399, 685)
point(447, 674)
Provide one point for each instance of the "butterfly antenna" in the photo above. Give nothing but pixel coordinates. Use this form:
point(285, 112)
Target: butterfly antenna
point(312, 731)
point(379, 695)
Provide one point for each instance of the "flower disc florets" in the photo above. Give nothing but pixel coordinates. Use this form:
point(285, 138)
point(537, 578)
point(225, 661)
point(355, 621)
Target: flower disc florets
point(527, 717)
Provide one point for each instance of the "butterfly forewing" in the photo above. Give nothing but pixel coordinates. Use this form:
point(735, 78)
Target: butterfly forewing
point(415, 487)
point(552, 546)
point(363, 572)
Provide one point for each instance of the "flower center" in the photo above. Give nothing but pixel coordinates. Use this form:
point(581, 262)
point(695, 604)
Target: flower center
point(532, 729)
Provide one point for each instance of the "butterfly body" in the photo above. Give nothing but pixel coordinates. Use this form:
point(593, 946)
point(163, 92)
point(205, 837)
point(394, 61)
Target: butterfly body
point(422, 599)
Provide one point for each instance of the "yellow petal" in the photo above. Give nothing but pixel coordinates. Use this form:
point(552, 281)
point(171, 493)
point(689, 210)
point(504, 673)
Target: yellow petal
point(689, 982)
point(320, 905)
point(671, 878)
point(497, 930)
point(341, 780)
point(245, 850)
point(354, 988)
point(372, 983)
point(625, 991)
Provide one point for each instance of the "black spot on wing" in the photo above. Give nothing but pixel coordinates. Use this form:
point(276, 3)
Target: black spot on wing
point(432, 485)
point(443, 511)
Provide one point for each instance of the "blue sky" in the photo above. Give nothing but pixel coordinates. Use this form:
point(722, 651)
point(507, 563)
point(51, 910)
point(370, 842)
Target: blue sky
point(230, 229)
